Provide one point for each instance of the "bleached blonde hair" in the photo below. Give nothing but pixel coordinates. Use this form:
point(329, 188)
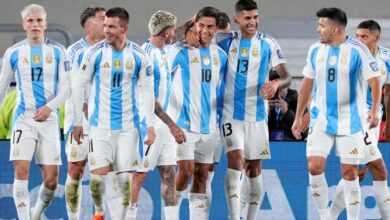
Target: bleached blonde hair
point(32, 9)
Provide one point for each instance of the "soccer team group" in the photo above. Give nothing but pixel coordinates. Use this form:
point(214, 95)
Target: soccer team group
point(181, 96)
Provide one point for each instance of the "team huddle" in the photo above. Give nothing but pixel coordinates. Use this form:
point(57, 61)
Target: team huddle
point(180, 98)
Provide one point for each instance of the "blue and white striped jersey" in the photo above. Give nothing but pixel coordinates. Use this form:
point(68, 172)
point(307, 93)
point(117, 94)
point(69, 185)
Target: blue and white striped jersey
point(383, 59)
point(115, 75)
point(197, 74)
point(339, 105)
point(41, 74)
point(162, 76)
point(249, 61)
point(75, 54)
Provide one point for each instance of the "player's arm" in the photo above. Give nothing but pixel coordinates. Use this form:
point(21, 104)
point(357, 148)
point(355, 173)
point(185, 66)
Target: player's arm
point(386, 129)
point(180, 31)
point(303, 98)
point(173, 128)
point(6, 75)
point(80, 81)
point(376, 92)
point(63, 90)
point(147, 91)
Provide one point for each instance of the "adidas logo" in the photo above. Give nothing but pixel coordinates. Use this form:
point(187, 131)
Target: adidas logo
point(355, 203)
point(105, 65)
point(135, 163)
point(200, 206)
point(233, 196)
point(195, 60)
point(316, 195)
point(21, 205)
point(264, 153)
point(254, 203)
point(354, 151)
point(387, 200)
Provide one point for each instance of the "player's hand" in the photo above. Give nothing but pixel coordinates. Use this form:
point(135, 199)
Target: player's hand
point(386, 131)
point(42, 114)
point(296, 128)
point(78, 134)
point(176, 131)
point(305, 122)
point(269, 89)
point(282, 105)
point(151, 136)
point(193, 39)
point(372, 119)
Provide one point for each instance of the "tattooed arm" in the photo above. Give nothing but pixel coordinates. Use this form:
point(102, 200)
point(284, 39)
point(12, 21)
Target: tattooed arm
point(173, 128)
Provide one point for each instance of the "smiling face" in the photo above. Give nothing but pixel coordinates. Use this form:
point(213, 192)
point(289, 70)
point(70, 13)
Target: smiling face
point(206, 28)
point(248, 22)
point(35, 25)
point(114, 30)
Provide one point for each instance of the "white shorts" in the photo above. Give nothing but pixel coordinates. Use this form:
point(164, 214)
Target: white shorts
point(218, 148)
point(76, 152)
point(198, 147)
point(370, 149)
point(120, 148)
point(251, 137)
point(40, 138)
point(348, 147)
point(161, 153)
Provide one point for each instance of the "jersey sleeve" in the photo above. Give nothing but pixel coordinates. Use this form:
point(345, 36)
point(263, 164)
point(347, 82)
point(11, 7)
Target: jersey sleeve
point(308, 69)
point(173, 57)
point(369, 68)
point(80, 81)
point(277, 56)
point(147, 91)
point(7, 72)
point(64, 81)
point(387, 66)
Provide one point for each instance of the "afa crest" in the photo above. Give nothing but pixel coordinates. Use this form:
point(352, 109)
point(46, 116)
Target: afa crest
point(117, 64)
point(36, 59)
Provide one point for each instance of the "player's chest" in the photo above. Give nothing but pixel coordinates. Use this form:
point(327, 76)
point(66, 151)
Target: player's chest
point(116, 71)
point(37, 65)
point(204, 67)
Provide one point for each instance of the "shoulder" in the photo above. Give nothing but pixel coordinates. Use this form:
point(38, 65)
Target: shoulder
point(221, 36)
point(95, 49)
point(359, 46)
point(52, 43)
point(10, 50)
point(384, 53)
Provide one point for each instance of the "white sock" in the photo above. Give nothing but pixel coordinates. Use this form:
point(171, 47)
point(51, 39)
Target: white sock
point(244, 193)
point(232, 192)
point(21, 198)
point(352, 196)
point(338, 203)
point(171, 212)
point(45, 197)
point(319, 192)
point(179, 197)
point(124, 192)
point(131, 213)
point(209, 180)
point(382, 197)
point(255, 196)
point(73, 197)
point(98, 188)
point(112, 194)
point(199, 206)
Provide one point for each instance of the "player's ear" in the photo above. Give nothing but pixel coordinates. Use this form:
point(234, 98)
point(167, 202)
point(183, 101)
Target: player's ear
point(125, 28)
point(235, 19)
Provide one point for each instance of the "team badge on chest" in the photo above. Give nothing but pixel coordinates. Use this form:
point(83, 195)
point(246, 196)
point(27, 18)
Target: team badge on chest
point(332, 60)
point(215, 60)
point(129, 64)
point(244, 52)
point(49, 58)
point(36, 59)
point(255, 52)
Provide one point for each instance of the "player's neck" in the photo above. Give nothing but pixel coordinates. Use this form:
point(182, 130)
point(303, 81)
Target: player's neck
point(91, 40)
point(119, 44)
point(374, 49)
point(36, 41)
point(338, 40)
point(157, 41)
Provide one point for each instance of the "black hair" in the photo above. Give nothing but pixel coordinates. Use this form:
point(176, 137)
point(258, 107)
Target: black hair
point(88, 13)
point(223, 20)
point(370, 25)
point(246, 5)
point(335, 14)
point(208, 12)
point(119, 12)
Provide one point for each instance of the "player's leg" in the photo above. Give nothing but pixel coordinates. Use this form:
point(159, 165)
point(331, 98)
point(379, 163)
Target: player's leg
point(204, 159)
point(77, 157)
point(23, 145)
point(47, 190)
point(319, 145)
point(100, 164)
point(48, 156)
point(217, 158)
point(136, 185)
point(256, 149)
point(380, 188)
point(350, 149)
point(232, 135)
point(186, 166)
point(166, 163)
